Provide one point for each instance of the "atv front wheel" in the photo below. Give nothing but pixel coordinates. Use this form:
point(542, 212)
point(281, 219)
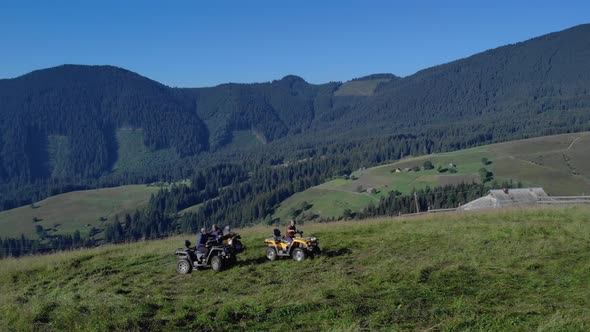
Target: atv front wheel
point(183, 267)
point(233, 260)
point(271, 254)
point(298, 254)
point(217, 263)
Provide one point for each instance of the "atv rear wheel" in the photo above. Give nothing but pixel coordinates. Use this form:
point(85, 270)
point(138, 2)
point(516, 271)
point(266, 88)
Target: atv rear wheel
point(271, 254)
point(298, 254)
point(217, 263)
point(183, 266)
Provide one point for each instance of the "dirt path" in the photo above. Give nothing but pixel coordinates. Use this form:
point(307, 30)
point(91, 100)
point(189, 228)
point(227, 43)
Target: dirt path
point(574, 142)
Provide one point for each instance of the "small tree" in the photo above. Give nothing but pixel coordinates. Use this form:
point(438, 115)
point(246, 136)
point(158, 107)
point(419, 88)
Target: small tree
point(428, 165)
point(484, 175)
point(294, 212)
point(485, 161)
point(77, 238)
point(348, 214)
point(305, 205)
point(40, 232)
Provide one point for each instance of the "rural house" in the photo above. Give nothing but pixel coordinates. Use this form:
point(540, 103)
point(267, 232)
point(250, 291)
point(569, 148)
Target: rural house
point(501, 198)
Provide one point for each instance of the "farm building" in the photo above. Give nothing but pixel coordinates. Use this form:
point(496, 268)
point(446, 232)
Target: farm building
point(502, 198)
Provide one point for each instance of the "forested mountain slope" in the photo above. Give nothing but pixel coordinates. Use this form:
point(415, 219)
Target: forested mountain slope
point(59, 126)
point(527, 89)
point(85, 105)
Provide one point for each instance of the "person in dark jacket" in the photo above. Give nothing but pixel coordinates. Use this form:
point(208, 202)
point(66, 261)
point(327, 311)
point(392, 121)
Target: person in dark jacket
point(216, 232)
point(202, 241)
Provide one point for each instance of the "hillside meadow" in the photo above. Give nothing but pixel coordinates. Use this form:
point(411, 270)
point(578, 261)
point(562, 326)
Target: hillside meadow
point(77, 210)
point(510, 270)
point(557, 163)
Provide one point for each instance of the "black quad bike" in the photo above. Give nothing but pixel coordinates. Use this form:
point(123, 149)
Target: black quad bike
point(221, 253)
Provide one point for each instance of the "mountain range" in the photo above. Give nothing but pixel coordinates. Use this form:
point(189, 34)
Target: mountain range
point(64, 124)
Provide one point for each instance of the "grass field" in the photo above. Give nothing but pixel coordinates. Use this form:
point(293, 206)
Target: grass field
point(511, 270)
point(359, 88)
point(134, 156)
point(327, 203)
point(243, 140)
point(78, 210)
point(58, 150)
point(560, 164)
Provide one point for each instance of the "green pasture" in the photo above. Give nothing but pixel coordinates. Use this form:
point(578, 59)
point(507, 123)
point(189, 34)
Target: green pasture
point(509, 270)
point(78, 210)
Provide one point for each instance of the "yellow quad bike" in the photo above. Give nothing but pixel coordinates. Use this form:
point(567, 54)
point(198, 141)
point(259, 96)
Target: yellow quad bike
point(300, 248)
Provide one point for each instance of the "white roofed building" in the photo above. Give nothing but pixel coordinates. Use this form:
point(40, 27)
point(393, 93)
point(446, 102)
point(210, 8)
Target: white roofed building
point(501, 198)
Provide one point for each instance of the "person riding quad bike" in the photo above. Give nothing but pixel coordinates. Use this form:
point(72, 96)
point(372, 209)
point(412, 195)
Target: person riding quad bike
point(217, 253)
point(202, 241)
point(291, 230)
point(216, 232)
point(296, 247)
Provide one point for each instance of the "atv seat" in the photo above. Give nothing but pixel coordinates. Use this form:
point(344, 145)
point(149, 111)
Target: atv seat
point(277, 235)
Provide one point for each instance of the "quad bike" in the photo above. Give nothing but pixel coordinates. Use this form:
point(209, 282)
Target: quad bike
point(300, 248)
point(221, 254)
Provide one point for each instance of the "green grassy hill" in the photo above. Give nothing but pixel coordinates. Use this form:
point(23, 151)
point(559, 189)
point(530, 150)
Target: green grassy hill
point(559, 163)
point(82, 210)
point(512, 270)
point(359, 88)
point(78, 210)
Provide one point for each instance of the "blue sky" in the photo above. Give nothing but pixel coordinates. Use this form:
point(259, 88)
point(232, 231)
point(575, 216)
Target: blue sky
point(204, 43)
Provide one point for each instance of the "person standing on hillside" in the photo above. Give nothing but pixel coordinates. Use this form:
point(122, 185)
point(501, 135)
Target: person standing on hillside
point(291, 230)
